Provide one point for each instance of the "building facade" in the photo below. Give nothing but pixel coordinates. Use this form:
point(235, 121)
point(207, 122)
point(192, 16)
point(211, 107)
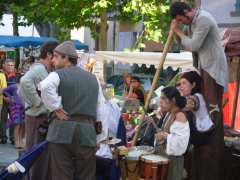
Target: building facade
point(226, 12)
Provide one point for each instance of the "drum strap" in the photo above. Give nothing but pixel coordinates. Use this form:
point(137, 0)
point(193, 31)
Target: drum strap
point(167, 122)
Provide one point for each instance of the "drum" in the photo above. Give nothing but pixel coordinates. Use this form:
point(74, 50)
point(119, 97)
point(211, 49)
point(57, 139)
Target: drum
point(130, 163)
point(154, 166)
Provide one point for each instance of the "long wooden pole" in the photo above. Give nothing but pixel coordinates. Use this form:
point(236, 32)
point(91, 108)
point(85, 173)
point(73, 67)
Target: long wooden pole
point(235, 102)
point(154, 83)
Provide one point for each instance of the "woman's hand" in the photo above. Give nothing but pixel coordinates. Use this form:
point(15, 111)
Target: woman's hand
point(161, 135)
point(149, 120)
point(191, 103)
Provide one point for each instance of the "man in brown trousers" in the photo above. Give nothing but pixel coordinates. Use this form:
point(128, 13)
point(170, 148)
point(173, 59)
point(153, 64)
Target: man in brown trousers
point(36, 113)
point(71, 94)
point(203, 40)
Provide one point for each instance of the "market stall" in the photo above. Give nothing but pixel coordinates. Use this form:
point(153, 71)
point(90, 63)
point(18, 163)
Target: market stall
point(175, 60)
point(231, 110)
point(133, 91)
point(231, 42)
point(181, 60)
point(109, 63)
point(6, 52)
point(22, 41)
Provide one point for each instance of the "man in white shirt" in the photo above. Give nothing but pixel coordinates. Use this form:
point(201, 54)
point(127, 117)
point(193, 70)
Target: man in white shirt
point(71, 94)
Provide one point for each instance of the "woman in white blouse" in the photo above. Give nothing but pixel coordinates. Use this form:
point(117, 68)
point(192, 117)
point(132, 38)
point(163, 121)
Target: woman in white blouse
point(202, 128)
point(175, 133)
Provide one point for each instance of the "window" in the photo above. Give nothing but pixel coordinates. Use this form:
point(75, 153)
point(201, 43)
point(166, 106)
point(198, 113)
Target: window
point(237, 5)
point(236, 13)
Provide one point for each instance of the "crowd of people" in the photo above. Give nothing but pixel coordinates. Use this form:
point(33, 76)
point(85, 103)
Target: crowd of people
point(12, 107)
point(75, 99)
point(68, 101)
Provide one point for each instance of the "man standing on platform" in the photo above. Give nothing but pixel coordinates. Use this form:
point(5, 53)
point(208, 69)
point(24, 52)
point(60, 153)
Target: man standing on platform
point(71, 94)
point(203, 40)
point(36, 113)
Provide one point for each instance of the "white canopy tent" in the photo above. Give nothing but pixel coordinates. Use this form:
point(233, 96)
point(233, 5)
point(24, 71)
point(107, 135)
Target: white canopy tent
point(181, 60)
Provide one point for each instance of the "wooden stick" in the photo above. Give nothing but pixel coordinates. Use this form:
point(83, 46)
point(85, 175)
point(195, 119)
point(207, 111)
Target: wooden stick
point(130, 90)
point(154, 83)
point(235, 102)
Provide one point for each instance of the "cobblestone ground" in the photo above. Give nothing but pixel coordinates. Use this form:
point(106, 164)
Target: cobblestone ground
point(8, 153)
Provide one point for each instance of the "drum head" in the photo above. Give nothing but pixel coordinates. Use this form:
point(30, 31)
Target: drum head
point(134, 153)
point(145, 148)
point(153, 158)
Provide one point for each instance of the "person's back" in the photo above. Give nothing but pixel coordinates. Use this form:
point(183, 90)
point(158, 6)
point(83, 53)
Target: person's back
point(78, 89)
point(71, 94)
point(28, 89)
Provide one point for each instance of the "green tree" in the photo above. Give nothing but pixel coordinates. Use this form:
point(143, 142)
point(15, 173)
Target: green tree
point(55, 17)
point(68, 14)
point(153, 14)
point(62, 15)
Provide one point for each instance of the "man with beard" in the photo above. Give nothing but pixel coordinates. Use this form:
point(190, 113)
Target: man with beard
point(36, 113)
point(203, 40)
point(71, 93)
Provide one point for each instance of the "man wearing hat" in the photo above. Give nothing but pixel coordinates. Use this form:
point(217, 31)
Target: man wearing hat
point(71, 94)
point(36, 112)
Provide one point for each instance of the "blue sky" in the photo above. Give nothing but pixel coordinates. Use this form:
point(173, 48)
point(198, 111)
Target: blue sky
point(28, 31)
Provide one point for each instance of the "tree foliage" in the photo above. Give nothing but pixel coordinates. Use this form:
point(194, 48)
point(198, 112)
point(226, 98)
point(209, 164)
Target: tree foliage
point(69, 14)
point(153, 13)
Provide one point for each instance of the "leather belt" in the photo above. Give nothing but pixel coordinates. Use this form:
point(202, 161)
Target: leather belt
point(83, 118)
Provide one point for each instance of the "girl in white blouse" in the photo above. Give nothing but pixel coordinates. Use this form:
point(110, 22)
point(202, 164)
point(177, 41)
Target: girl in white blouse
point(175, 132)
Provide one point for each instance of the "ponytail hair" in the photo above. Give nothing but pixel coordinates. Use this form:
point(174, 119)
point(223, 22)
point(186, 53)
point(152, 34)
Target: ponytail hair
point(173, 94)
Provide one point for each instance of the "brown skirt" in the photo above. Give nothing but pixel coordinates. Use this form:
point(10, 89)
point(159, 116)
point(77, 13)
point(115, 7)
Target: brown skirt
point(207, 159)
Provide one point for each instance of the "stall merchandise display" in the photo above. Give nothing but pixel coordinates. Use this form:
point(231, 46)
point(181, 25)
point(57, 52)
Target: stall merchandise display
point(132, 120)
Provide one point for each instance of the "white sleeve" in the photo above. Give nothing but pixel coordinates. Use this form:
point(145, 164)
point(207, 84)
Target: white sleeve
point(113, 119)
point(177, 140)
point(203, 120)
point(101, 114)
point(49, 95)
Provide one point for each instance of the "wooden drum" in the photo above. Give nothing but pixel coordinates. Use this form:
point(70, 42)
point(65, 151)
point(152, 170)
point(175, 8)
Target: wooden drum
point(154, 167)
point(130, 164)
